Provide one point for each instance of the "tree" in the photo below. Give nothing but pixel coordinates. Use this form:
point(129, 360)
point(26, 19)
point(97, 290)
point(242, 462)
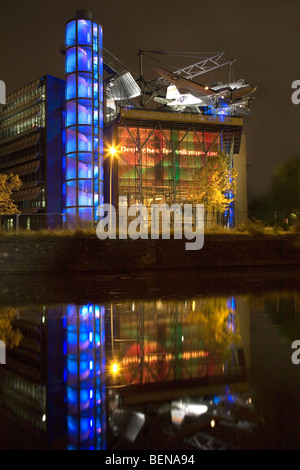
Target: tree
point(285, 188)
point(8, 333)
point(8, 184)
point(214, 184)
point(282, 200)
point(217, 324)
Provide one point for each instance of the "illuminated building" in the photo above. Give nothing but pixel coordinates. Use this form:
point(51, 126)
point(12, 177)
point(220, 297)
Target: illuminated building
point(158, 153)
point(31, 129)
point(83, 163)
point(52, 134)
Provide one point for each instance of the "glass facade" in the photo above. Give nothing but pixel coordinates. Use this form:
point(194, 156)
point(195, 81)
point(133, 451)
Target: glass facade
point(157, 165)
point(83, 123)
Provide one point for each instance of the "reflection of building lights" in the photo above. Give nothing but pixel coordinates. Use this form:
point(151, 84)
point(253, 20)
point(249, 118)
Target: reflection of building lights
point(187, 355)
point(180, 409)
point(133, 307)
point(115, 368)
point(44, 417)
point(84, 311)
point(194, 409)
point(193, 305)
point(212, 423)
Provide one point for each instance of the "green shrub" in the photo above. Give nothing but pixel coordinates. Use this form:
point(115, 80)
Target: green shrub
point(253, 227)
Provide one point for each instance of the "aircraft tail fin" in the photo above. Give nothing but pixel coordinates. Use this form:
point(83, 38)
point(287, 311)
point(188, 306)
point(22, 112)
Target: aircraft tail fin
point(172, 92)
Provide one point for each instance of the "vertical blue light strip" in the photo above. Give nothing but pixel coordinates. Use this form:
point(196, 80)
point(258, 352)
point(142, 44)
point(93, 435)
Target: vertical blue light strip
point(84, 376)
point(83, 123)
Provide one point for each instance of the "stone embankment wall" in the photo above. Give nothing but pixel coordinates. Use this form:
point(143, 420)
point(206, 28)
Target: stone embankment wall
point(50, 254)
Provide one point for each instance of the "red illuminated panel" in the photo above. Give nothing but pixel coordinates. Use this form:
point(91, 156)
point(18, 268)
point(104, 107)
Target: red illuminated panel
point(153, 144)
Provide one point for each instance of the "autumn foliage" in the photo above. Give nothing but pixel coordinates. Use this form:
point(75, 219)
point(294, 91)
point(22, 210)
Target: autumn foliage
point(214, 184)
point(9, 183)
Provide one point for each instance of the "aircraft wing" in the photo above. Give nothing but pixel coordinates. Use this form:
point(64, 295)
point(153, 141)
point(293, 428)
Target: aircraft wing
point(208, 95)
point(241, 108)
point(186, 86)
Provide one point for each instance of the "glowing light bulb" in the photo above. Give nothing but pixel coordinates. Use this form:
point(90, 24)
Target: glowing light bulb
point(112, 150)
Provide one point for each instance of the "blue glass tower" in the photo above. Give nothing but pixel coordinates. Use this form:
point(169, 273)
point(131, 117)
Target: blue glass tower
point(83, 161)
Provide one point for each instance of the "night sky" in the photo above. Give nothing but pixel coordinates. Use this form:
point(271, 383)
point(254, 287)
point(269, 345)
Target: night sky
point(262, 35)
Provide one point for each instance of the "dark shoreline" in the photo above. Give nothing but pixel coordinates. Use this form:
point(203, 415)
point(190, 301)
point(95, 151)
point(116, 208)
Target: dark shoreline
point(91, 287)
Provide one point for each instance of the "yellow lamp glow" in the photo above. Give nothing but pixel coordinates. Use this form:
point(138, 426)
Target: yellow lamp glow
point(113, 150)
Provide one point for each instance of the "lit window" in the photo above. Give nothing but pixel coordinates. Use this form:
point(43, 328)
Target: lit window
point(10, 224)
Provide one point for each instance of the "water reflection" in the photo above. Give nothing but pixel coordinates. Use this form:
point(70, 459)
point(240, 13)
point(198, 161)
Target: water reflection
point(163, 341)
point(141, 374)
point(10, 335)
point(181, 366)
point(84, 375)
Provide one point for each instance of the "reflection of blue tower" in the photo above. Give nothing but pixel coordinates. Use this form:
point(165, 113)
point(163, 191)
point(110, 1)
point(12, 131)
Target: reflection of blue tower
point(83, 191)
point(85, 352)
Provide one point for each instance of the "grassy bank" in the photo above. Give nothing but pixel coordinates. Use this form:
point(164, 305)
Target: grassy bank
point(248, 229)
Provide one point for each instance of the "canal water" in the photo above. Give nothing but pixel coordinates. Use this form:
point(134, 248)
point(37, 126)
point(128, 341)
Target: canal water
point(164, 361)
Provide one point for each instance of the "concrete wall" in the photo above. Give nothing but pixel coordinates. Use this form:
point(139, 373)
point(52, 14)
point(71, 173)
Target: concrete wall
point(80, 254)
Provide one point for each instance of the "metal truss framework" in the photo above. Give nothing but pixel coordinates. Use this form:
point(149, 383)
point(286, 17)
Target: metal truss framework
point(207, 64)
point(152, 88)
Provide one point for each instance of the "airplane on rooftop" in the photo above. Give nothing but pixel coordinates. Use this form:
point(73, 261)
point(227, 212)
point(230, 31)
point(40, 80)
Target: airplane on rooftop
point(183, 93)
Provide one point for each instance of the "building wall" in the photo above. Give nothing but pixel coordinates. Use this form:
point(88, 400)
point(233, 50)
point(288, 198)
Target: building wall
point(55, 90)
point(30, 146)
point(22, 121)
point(240, 202)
